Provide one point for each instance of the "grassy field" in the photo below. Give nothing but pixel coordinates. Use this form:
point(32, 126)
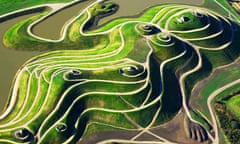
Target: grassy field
point(218, 80)
point(221, 7)
point(121, 75)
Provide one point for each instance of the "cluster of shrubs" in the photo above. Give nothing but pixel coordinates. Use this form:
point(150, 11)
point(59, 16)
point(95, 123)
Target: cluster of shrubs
point(229, 123)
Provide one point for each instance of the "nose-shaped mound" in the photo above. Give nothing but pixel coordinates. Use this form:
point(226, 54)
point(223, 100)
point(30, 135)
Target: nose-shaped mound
point(166, 46)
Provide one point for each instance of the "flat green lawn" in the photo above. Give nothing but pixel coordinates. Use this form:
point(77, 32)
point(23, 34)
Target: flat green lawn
point(12, 5)
point(221, 79)
point(234, 104)
point(211, 4)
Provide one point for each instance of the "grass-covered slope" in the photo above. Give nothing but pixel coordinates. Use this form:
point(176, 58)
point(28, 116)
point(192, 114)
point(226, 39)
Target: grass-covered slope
point(129, 74)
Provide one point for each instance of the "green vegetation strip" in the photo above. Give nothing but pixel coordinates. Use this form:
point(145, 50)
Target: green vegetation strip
point(122, 75)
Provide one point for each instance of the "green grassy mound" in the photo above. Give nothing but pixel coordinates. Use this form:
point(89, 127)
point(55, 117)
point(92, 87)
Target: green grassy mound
point(200, 29)
point(165, 46)
point(187, 21)
point(123, 75)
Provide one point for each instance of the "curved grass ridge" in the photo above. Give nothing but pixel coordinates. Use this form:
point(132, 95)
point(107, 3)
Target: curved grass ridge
point(130, 74)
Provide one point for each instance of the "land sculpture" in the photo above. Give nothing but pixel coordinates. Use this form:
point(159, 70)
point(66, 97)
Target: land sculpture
point(130, 75)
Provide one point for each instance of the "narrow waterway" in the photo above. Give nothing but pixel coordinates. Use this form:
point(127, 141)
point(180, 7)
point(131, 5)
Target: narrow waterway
point(10, 60)
point(51, 27)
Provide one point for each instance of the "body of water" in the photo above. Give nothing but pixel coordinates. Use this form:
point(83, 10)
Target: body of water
point(10, 61)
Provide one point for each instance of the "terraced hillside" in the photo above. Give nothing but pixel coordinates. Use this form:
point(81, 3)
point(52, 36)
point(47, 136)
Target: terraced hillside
point(125, 79)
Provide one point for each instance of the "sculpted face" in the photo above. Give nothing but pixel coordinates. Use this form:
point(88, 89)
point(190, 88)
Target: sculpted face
point(131, 79)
